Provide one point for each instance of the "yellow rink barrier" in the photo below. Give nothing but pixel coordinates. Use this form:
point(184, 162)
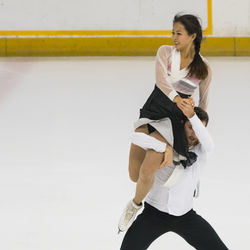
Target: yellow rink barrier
point(115, 46)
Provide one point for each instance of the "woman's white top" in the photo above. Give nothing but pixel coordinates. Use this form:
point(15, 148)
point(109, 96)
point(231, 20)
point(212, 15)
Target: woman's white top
point(170, 79)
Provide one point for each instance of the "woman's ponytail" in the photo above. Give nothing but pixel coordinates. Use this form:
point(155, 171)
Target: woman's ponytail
point(198, 67)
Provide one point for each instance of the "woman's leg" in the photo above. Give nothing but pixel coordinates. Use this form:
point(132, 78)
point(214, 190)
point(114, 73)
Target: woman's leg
point(136, 156)
point(142, 166)
point(151, 163)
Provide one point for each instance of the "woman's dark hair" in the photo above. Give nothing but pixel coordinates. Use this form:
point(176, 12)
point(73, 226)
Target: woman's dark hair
point(198, 67)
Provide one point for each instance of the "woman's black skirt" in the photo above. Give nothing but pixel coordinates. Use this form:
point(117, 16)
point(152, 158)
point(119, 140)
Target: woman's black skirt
point(159, 106)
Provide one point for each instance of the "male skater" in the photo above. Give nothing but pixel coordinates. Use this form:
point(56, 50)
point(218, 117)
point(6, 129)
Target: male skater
point(171, 209)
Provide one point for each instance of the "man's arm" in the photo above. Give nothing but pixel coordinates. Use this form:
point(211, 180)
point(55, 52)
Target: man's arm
point(202, 134)
point(200, 130)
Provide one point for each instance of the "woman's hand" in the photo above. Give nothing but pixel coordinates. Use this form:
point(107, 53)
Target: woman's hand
point(182, 102)
point(188, 110)
point(191, 101)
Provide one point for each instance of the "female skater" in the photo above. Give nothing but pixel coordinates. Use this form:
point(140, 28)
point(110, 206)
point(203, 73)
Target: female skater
point(179, 71)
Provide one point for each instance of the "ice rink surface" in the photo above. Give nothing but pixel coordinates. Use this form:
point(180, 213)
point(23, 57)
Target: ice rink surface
point(64, 130)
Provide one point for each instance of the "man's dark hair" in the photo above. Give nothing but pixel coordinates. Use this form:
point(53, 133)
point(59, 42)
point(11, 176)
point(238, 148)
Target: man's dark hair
point(202, 114)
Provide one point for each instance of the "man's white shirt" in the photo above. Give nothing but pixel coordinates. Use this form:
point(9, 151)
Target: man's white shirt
point(178, 200)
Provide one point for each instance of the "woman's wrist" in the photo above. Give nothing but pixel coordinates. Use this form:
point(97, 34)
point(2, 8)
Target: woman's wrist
point(176, 99)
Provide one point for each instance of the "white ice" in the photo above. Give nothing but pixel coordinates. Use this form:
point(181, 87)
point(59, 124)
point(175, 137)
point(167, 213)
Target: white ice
point(65, 125)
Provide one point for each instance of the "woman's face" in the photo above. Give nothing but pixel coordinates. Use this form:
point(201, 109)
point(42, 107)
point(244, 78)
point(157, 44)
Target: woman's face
point(181, 38)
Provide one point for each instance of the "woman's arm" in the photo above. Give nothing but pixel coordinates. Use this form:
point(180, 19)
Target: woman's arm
point(204, 89)
point(161, 68)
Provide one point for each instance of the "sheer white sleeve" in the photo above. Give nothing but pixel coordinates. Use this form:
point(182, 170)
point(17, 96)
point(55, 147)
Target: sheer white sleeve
point(161, 70)
point(204, 89)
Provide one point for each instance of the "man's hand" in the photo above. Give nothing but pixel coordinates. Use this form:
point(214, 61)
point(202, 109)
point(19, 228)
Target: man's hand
point(188, 109)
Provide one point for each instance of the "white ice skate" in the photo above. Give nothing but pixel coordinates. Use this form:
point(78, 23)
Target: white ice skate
point(128, 216)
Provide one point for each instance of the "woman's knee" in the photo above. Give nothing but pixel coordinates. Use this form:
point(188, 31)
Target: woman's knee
point(150, 164)
point(134, 170)
point(133, 177)
point(136, 158)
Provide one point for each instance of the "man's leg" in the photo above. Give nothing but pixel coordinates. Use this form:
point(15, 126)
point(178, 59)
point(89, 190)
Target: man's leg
point(198, 232)
point(148, 226)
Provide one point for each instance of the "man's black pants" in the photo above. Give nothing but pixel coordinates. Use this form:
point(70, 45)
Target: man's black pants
point(152, 223)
